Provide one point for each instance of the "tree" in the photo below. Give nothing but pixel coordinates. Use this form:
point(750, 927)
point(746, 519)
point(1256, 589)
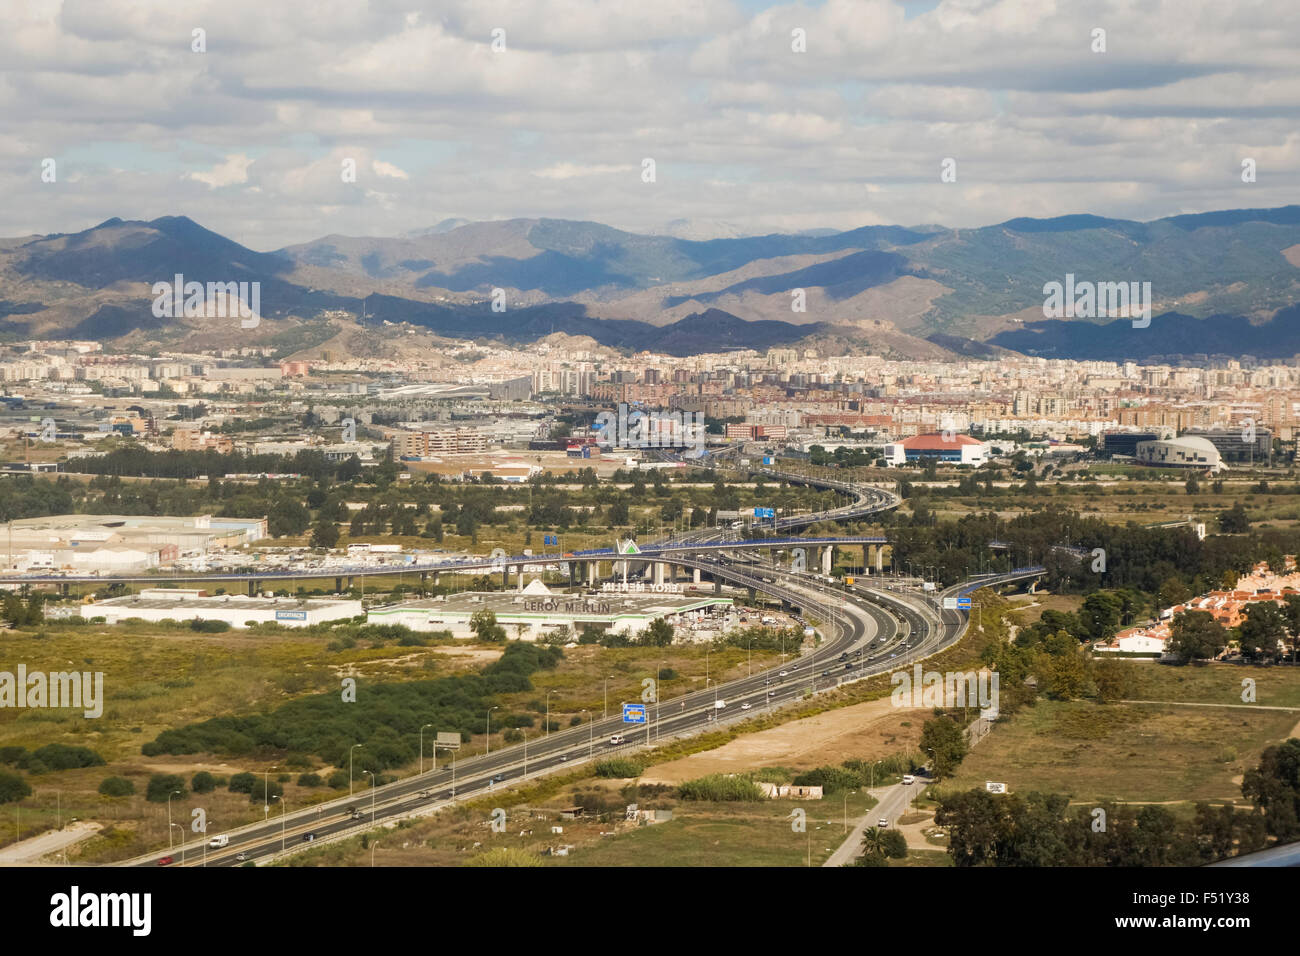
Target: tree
point(1100, 614)
point(203, 782)
point(1234, 520)
point(944, 738)
point(658, 634)
point(1196, 635)
point(324, 534)
point(1274, 788)
point(484, 625)
point(162, 784)
point(1173, 591)
point(13, 787)
point(116, 787)
point(1265, 625)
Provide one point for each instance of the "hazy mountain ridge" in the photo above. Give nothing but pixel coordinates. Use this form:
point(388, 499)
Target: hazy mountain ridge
point(918, 290)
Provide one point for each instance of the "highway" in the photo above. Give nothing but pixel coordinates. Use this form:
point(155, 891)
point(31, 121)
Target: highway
point(872, 630)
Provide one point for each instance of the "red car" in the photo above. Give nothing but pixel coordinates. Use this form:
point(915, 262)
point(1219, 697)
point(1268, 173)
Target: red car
point(166, 861)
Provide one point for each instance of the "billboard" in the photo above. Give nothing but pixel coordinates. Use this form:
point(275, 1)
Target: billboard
point(448, 741)
point(950, 604)
point(291, 615)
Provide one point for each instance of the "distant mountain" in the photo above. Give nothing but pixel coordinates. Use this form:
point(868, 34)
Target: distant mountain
point(1228, 279)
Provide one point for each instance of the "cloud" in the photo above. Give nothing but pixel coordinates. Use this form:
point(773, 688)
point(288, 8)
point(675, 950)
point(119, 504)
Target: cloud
point(743, 129)
point(233, 170)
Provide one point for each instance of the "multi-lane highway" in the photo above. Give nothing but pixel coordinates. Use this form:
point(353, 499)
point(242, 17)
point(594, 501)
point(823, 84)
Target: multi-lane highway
point(868, 630)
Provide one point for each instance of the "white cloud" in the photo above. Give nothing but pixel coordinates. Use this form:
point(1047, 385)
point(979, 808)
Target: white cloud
point(850, 132)
point(233, 170)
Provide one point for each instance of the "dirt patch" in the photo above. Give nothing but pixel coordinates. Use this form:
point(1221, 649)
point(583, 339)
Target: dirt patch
point(863, 731)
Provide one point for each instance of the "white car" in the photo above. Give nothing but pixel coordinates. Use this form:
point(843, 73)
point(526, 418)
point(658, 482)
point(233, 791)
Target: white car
point(908, 778)
point(784, 673)
point(744, 706)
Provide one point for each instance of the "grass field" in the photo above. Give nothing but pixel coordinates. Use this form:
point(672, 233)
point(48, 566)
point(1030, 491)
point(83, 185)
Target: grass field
point(1124, 752)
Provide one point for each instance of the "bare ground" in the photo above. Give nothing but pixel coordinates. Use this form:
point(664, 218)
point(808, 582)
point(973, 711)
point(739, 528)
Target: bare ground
point(863, 731)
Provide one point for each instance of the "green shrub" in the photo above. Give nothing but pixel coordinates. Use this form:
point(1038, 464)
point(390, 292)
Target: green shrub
point(116, 787)
point(619, 768)
point(719, 787)
point(203, 782)
point(161, 786)
point(13, 787)
point(310, 780)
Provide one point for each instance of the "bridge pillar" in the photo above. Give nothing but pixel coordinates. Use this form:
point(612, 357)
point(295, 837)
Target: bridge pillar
point(717, 586)
point(753, 593)
point(658, 573)
point(505, 576)
point(828, 558)
point(593, 568)
point(880, 559)
point(866, 558)
point(338, 585)
point(437, 578)
point(695, 575)
point(63, 588)
point(520, 578)
point(252, 589)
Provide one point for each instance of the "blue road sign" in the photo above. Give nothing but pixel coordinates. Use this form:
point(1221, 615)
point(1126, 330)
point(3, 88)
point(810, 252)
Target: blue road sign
point(764, 512)
point(550, 539)
point(634, 714)
point(767, 459)
point(963, 603)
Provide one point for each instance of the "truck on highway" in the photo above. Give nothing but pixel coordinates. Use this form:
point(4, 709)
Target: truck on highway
point(219, 841)
point(719, 704)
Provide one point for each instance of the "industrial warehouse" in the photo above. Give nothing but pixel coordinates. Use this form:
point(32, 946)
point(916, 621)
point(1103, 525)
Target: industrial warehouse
point(109, 543)
point(537, 612)
point(175, 604)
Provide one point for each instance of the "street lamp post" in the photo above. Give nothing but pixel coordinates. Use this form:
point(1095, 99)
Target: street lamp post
point(374, 785)
point(284, 809)
point(547, 728)
point(605, 713)
point(169, 817)
point(169, 839)
point(591, 733)
point(350, 749)
point(435, 758)
point(489, 727)
point(266, 791)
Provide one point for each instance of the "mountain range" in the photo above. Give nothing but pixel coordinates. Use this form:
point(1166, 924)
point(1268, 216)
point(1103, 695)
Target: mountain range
point(1223, 282)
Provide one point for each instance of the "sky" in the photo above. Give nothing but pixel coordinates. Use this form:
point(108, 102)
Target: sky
point(758, 117)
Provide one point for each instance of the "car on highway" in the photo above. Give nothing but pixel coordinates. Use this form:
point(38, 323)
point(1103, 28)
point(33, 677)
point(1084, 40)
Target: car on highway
point(564, 756)
point(882, 823)
point(908, 778)
point(744, 706)
point(308, 837)
point(241, 857)
point(219, 841)
point(166, 861)
point(615, 740)
point(425, 794)
point(784, 673)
